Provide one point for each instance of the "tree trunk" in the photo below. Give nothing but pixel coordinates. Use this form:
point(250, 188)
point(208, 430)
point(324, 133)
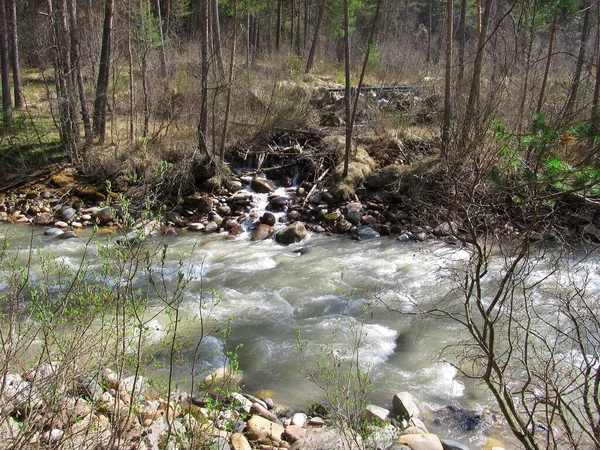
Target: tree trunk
point(471, 111)
point(298, 23)
point(306, 22)
point(540, 102)
point(65, 87)
point(447, 121)
point(14, 44)
point(348, 89)
point(229, 86)
point(292, 16)
point(278, 26)
point(163, 51)
point(580, 60)
point(313, 48)
point(101, 100)
point(429, 28)
point(75, 60)
point(461, 44)
point(204, 57)
point(478, 17)
point(595, 115)
point(216, 29)
point(130, 63)
point(5, 67)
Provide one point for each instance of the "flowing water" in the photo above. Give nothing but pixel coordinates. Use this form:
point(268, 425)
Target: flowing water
point(270, 293)
point(332, 292)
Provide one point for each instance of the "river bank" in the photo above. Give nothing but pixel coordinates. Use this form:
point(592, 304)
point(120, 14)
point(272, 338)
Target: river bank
point(99, 409)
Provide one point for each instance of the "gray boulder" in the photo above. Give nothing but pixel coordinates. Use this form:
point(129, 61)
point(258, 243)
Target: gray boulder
point(405, 406)
point(364, 232)
point(68, 213)
point(53, 231)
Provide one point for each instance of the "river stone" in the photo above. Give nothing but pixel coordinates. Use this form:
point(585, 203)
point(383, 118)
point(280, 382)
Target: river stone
point(224, 210)
point(411, 429)
point(3, 216)
point(68, 213)
point(294, 433)
point(327, 439)
point(241, 198)
point(364, 232)
point(444, 229)
point(221, 379)
point(262, 186)
point(216, 219)
point(262, 411)
point(127, 386)
point(299, 419)
point(420, 441)
point(316, 421)
point(230, 223)
point(234, 185)
point(268, 219)
point(448, 444)
point(292, 233)
point(236, 229)
point(279, 203)
point(353, 217)
point(343, 226)
point(375, 415)
point(269, 402)
point(263, 232)
point(61, 224)
point(420, 236)
point(381, 437)
point(66, 235)
point(260, 429)
point(403, 238)
point(404, 406)
point(211, 227)
point(104, 215)
point(202, 203)
point(239, 442)
point(368, 219)
point(53, 231)
point(196, 226)
point(175, 217)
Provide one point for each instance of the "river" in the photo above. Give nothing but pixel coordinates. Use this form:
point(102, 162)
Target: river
point(327, 292)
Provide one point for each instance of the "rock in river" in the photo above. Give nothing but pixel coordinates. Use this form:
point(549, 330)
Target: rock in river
point(292, 233)
point(365, 232)
point(262, 186)
point(263, 232)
